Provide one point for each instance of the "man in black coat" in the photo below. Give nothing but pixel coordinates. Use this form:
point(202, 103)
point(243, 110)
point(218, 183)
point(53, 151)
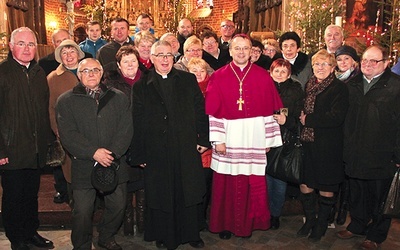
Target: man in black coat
point(171, 131)
point(371, 149)
point(25, 130)
point(185, 30)
point(120, 35)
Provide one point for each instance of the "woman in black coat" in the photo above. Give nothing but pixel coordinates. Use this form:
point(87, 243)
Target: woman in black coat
point(292, 97)
point(324, 112)
point(123, 77)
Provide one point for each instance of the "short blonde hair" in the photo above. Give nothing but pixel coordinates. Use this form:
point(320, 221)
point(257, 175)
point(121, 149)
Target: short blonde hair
point(193, 40)
point(145, 36)
point(197, 62)
point(324, 55)
point(271, 42)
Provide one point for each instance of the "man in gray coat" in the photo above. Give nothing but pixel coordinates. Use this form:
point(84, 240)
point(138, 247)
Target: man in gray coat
point(95, 126)
point(371, 149)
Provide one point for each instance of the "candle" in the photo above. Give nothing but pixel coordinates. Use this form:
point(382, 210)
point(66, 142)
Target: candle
point(338, 21)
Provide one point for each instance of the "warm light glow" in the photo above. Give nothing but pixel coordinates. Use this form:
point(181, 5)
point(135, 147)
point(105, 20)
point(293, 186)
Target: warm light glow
point(53, 25)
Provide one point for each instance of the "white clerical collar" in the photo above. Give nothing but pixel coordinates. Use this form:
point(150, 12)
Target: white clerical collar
point(291, 60)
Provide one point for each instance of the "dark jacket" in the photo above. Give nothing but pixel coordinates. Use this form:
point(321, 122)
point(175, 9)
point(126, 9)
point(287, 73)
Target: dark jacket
point(216, 63)
point(115, 79)
point(372, 128)
point(85, 127)
point(301, 69)
point(264, 62)
point(327, 120)
point(106, 54)
point(293, 99)
point(24, 115)
point(167, 130)
point(181, 40)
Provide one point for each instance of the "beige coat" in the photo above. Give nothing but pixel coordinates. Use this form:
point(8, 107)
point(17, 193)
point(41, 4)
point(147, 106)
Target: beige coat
point(60, 80)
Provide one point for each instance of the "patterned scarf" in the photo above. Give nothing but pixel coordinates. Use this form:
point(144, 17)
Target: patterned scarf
point(344, 75)
point(94, 93)
point(313, 89)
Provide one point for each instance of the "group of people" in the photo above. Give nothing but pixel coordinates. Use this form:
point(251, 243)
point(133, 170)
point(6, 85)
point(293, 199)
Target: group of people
point(190, 121)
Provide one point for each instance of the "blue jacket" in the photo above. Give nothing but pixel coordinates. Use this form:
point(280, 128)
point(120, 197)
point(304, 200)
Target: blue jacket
point(92, 47)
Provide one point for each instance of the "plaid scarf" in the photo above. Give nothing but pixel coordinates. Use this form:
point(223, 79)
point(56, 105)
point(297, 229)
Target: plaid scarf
point(313, 89)
point(94, 93)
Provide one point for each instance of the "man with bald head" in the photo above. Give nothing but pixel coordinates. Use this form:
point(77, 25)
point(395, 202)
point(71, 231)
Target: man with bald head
point(185, 30)
point(227, 30)
point(25, 129)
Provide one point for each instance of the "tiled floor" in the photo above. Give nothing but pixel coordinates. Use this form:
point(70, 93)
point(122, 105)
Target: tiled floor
point(56, 218)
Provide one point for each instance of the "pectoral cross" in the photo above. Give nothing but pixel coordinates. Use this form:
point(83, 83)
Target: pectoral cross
point(240, 102)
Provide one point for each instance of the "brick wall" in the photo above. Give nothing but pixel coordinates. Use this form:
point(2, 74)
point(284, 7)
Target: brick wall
point(223, 9)
point(55, 11)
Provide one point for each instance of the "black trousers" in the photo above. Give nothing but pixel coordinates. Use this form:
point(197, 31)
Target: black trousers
point(60, 182)
point(365, 206)
point(20, 203)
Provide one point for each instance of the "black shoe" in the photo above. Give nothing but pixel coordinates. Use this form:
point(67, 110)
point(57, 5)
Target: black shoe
point(19, 246)
point(225, 235)
point(274, 223)
point(39, 241)
point(197, 244)
point(160, 244)
point(60, 198)
point(112, 245)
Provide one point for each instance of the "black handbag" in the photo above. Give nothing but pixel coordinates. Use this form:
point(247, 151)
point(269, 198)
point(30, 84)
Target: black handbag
point(392, 203)
point(286, 162)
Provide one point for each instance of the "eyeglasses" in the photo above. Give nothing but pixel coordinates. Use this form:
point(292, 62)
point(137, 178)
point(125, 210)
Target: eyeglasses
point(24, 45)
point(270, 50)
point(210, 43)
point(257, 51)
point(225, 26)
point(87, 72)
point(194, 50)
point(372, 62)
point(238, 49)
point(164, 56)
point(324, 64)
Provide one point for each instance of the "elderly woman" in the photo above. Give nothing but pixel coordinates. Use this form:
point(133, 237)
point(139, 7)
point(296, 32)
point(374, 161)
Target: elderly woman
point(293, 99)
point(191, 48)
point(271, 49)
point(62, 79)
point(143, 42)
point(325, 108)
point(347, 63)
point(123, 79)
point(290, 44)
